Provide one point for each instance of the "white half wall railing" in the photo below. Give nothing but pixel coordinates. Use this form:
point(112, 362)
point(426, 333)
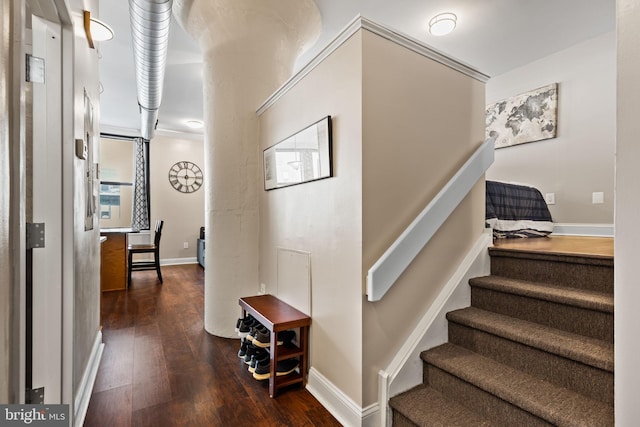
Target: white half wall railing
point(384, 273)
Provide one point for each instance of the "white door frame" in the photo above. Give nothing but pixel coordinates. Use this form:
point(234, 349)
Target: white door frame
point(47, 209)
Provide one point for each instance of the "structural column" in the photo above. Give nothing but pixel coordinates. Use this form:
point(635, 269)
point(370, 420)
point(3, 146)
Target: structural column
point(249, 49)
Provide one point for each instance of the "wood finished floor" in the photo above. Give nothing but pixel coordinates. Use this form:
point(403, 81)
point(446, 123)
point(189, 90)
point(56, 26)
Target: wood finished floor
point(596, 246)
point(160, 368)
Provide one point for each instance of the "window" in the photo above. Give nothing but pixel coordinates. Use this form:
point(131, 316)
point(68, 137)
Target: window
point(118, 178)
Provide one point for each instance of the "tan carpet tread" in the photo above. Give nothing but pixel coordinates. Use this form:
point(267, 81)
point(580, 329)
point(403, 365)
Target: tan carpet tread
point(554, 404)
point(427, 407)
point(590, 351)
point(570, 296)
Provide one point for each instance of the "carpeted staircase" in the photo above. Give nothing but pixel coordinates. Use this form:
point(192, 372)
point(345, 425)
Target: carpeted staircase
point(534, 349)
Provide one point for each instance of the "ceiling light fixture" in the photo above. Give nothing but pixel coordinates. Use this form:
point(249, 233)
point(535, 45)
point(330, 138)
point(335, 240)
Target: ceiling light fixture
point(194, 124)
point(96, 30)
point(442, 24)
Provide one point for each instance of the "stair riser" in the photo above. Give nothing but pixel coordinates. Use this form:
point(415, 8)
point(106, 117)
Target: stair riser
point(590, 323)
point(581, 378)
point(401, 421)
point(479, 400)
point(582, 276)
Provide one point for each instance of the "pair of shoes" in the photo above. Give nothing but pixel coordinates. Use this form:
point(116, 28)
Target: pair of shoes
point(246, 320)
point(284, 367)
point(246, 325)
point(254, 352)
point(259, 358)
point(285, 337)
point(259, 332)
point(262, 337)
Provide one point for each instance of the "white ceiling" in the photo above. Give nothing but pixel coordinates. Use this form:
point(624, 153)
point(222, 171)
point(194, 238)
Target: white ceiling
point(493, 36)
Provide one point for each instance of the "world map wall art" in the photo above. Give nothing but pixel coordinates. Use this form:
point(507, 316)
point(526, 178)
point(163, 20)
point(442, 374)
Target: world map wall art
point(528, 117)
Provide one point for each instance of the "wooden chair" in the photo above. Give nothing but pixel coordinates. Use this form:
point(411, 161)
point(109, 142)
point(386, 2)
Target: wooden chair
point(146, 249)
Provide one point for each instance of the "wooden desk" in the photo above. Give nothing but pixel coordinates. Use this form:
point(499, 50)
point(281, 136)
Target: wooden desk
point(113, 259)
point(278, 316)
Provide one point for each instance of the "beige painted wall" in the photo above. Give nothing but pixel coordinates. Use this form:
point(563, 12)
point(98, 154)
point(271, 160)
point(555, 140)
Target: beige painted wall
point(396, 143)
point(183, 213)
point(86, 247)
point(421, 122)
point(581, 159)
point(323, 217)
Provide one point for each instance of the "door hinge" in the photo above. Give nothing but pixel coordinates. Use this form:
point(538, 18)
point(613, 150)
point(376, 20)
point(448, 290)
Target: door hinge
point(34, 396)
point(35, 235)
point(35, 69)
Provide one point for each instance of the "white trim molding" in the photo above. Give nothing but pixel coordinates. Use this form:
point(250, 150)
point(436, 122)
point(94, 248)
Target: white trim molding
point(83, 395)
point(179, 261)
point(341, 406)
point(590, 230)
point(405, 369)
point(392, 35)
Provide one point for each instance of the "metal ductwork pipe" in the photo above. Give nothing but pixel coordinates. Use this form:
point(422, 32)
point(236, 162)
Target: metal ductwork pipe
point(150, 22)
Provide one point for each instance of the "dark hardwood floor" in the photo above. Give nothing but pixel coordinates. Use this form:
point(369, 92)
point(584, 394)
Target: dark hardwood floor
point(160, 368)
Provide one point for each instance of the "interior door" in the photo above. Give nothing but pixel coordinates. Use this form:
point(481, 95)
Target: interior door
point(44, 201)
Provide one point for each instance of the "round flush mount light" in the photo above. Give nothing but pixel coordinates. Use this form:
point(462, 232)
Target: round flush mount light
point(442, 24)
point(194, 124)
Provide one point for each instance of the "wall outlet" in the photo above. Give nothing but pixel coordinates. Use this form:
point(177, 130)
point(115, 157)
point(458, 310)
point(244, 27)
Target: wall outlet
point(185, 245)
point(550, 198)
point(263, 289)
point(597, 198)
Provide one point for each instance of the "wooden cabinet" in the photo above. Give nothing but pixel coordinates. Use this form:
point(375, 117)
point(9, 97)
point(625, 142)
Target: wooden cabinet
point(113, 262)
point(113, 258)
point(278, 316)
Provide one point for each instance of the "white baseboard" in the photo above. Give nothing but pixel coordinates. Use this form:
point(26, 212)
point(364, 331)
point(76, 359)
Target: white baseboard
point(178, 261)
point(341, 406)
point(587, 230)
point(83, 395)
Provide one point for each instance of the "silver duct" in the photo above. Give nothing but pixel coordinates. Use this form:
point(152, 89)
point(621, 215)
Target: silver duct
point(150, 21)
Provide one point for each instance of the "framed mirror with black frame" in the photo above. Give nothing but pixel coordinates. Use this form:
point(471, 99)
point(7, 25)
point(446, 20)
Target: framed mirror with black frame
point(302, 157)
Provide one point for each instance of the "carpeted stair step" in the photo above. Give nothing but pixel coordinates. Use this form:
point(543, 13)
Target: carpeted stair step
point(579, 363)
point(506, 395)
point(584, 312)
point(425, 407)
point(591, 272)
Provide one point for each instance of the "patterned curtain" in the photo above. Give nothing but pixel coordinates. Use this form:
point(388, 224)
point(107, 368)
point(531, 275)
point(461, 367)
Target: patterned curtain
point(140, 214)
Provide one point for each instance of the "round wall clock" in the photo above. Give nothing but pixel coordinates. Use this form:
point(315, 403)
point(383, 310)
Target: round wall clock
point(186, 177)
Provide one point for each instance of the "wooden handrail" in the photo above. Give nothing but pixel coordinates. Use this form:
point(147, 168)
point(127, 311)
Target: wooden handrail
point(384, 273)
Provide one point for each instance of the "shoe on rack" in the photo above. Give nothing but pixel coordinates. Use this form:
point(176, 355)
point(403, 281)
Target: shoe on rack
point(262, 338)
point(285, 337)
point(246, 319)
point(259, 328)
point(265, 358)
point(243, 348)
point(283, 367)
point(262, 370)
point(245, 326)
point(253, 351)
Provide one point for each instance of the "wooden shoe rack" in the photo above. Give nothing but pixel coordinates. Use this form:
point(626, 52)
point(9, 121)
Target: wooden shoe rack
point(278, 316)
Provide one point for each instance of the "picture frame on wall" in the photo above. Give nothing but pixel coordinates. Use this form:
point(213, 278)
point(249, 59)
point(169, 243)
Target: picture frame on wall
point(303, 157)
point(524, 118)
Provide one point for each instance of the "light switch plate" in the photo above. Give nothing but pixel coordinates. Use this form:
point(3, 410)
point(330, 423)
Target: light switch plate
point(550, 198)
point(597, 197)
